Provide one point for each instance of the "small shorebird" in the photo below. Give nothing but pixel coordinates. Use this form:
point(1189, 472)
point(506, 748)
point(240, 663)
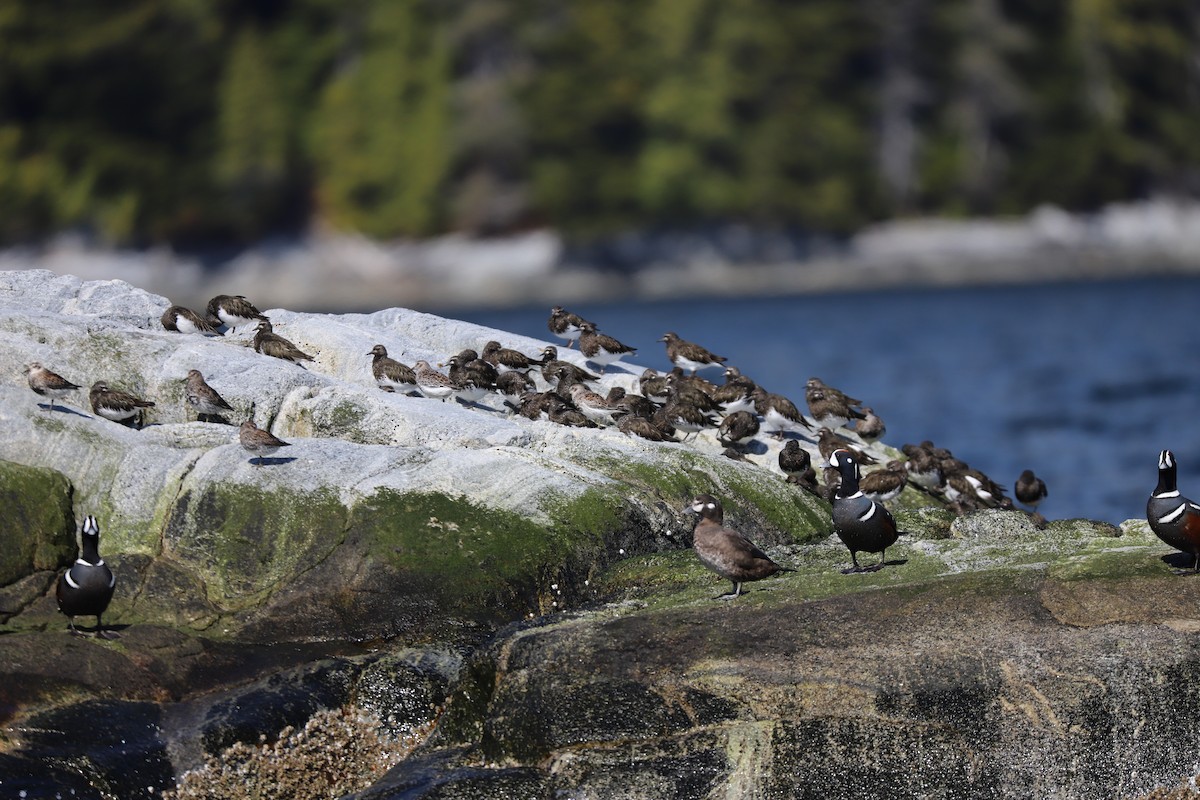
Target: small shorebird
point(232, 311)
point(269, 343)
point(184, 320)
point(258, 442)
point(390, 374)
point(116, 405)
point(48, 384)
point(204, 398)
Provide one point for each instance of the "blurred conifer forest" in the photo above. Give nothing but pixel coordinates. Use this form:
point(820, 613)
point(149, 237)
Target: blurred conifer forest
point(184, 121)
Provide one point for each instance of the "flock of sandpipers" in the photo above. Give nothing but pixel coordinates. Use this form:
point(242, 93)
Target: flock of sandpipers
point(667, 406)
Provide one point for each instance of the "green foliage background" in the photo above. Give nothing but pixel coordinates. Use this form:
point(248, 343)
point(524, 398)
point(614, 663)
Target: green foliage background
point(194, 120)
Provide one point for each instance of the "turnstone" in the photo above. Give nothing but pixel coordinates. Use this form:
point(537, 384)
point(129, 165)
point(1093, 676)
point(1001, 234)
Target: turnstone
point(734, 454)
point(653, 384)
point(870, 427)
point(727, 552)
point(690, 393)
point(258, 442)
point(184, 320)
point(796, 464)
point(563, 413)
point(553, 368)
point(817, 383)
point(829, 411)
point(886, 483)
point(736, 393)
point(432, 383)
point(514, 384)
point(116, 405)
point(472, 379)
point(565, 325)
point(778, 413)
point(535, 405)
point(628, 403)
point(505, 358)
point(592, 405)
point(390, 374)
point(48, 384)
point(862, 524)
point(636, 425)
point(269, 343)
point(983, 488)
point(600, 348)
point(683, 416)
point(203, 397)
point(688, 355)
point(737, 428)
point(1174, 518)
point(1029, 489)
point(828, 441)
point(232, 311)
point(86, 588)
point(924, 469)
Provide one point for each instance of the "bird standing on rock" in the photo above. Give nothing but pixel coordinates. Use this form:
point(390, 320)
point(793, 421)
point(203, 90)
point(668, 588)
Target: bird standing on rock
point(269, 343)
point(738, 428)
point(862, 524)
point(688, 355)
point(727, 552)
point(886, 483)
point(1174, 518)
point(258, 442)
point(202, 397)
point(828, 410)
point(87, 587)
point(391, 375)
point(565, 325)
point(870, 427)
point(184, 320)
point(828, 441)
point(796, 464)
point(48, 384)
point(1030, 490)
point(505, 358)
point(600, 348)
point(778, 413)
point(232, 311)
point(432, 383)
point(116, 405)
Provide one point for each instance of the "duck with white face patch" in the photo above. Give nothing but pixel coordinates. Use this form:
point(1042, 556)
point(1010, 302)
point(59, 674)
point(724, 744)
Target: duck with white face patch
point(1174, 518)
point(862, 524)
point(727, 552)
point(87, 587)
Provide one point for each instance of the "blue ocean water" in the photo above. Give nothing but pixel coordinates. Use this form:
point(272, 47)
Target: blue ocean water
point(1083, 382)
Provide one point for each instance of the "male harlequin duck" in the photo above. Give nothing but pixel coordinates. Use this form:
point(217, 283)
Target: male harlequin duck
point(861, 523)
point(1172, 516)
point(725, 551)
point(87, 587)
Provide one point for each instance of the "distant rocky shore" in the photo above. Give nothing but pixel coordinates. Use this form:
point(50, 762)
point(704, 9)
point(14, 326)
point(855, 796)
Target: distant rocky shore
point(326, 272)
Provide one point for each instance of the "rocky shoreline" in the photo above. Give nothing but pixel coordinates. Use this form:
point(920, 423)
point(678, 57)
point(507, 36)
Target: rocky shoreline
point(338, 273)
point(508, 607)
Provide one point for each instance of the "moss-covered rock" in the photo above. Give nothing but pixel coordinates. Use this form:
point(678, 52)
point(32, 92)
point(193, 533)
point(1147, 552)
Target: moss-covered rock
point(38, 522)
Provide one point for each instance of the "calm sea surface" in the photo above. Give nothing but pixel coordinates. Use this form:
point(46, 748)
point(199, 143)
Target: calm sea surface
point(1084, 383)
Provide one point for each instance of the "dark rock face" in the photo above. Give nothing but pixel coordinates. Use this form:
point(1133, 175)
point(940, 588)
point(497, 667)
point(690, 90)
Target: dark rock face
point(960, 688)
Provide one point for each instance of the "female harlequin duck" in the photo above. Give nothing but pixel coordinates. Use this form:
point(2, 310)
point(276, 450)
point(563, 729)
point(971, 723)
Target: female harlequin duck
point(87, 587)
point(725, 551)
point(1172, 516)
